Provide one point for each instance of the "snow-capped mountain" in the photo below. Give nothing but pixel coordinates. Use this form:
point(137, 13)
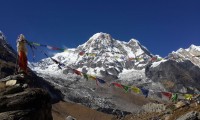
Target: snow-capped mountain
point(104, 57)
point(180, 71)
point(101, 55)
point(129, 63)
point(192, 53)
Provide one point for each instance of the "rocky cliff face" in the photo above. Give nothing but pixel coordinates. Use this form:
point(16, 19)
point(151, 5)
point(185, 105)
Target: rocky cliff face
point(23, 97)
point(7, 58)
point(28, 104)
point(180, 72)
point(7, 53)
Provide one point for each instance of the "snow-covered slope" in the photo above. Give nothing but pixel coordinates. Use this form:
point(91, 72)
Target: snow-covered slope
point(102, 56)
point(129, 63)
point(192, 53)
point(179, 72)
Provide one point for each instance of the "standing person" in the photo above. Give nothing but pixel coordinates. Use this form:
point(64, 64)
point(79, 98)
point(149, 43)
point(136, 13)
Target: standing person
point(22, 53)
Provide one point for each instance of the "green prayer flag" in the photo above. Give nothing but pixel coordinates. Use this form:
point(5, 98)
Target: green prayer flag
point(174, 97)
point(126, 88)
point(85, 76)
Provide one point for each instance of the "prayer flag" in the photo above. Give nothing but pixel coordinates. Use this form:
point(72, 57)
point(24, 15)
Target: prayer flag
point(77, 72)
point(136, 90)
point(92, 77)
point(188, 96)
point(117, 84)
point(145, 92)
point(81, 53)
point(126, 88)
point(85, 76)
point(49, 47)
point(36, 44)
point(174, 97)
point(167, 94)
point(101, 81)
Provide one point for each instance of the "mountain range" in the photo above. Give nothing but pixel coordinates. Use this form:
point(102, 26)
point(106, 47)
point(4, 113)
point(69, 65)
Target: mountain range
point(127, 63)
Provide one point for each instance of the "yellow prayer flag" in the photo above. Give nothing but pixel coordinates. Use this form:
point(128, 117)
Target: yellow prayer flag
point(140, 59)
point(136, 90)
point(92, 77)
point(93, 54)
point(159, 59)
point(188, 96)
point(130, 59)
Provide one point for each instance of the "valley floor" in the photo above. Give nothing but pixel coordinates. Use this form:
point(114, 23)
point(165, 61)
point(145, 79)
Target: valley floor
point(61, 110)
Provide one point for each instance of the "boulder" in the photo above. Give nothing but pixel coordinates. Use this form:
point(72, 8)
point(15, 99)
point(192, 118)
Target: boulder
point(11, 82)
point(31, 104)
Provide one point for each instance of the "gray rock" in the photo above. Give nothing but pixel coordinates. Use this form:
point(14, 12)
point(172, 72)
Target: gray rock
point(25, 86)
point(129, 64)
point(70, 118)
point(31, 104)
point(112, 71)
point(152, 107)
point(193, 115)
point(11, 90)
point(99, 64)
point(181, 75)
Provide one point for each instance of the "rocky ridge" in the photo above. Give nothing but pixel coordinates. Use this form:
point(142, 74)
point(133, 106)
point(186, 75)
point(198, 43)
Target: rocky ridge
point(24, 97)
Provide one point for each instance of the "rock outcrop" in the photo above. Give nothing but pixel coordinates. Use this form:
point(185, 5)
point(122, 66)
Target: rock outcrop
point(23, 97)
point(175, 76)
point(31, 104)
point(20, 102)
point(193, 115)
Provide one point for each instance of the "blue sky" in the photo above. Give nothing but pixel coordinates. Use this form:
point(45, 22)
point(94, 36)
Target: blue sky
point(160, 25)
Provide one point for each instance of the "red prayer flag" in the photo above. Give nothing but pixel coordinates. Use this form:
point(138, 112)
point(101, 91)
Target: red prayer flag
point(154, 58)
point(23, 61)
point(81, 53)
point(167, 94)
point(118, 85)
point(77, 72)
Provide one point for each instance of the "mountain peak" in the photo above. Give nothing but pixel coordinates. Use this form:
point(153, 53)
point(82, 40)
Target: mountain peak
point(2, 37)
point(134, 42)
point(194, 47)
point(97, 41)
point(101, 35)
point(102, 55)
point(7, 53)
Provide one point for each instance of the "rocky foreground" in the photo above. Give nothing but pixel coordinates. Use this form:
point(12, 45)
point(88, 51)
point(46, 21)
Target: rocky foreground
point(21, 102)
point(181, 110)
